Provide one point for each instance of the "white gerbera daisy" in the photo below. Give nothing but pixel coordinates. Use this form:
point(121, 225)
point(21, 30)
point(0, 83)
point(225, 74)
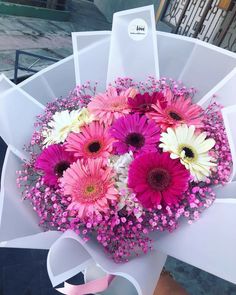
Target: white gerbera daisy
point(63, 123)
point(191, 148)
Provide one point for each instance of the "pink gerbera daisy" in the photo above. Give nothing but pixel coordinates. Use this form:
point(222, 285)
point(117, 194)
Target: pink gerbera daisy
point(90, 185)
point(110, 105)
point(53, 161)
point(143, 103)
point(177, 111)
point(157, 179)
point(94, 141)
point(135, 133)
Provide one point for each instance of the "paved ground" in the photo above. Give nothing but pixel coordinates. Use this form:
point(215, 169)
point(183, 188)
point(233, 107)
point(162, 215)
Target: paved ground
point(45, 37)
point(23, 272)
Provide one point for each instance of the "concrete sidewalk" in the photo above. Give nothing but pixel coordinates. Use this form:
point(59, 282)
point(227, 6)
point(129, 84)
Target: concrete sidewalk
point(45, 37)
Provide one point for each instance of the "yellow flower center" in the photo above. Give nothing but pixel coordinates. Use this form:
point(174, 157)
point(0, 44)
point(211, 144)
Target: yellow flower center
point(90, 189)
point(117, 106)
point(65, 129)
point(90, 192)
point(188, 153)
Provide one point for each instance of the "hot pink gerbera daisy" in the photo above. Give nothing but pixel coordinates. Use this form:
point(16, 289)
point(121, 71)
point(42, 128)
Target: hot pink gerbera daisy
point(110, 105)
point(175, 112)
point(143, 103)
point(94, 141)
point(157, 179)
point(90, 185)
point(53, 161)
point(135, 133)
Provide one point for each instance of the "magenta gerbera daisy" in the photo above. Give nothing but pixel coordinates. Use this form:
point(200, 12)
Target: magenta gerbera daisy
point(177, 111)
point(109, 106)
point(143, 103)
point(94, 141)
point(90, 185)
point(157, 179)
point(53, 161)
point(135, 133)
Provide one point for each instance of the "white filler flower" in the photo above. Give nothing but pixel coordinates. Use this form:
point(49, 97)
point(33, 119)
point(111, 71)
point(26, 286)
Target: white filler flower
point(121, 166)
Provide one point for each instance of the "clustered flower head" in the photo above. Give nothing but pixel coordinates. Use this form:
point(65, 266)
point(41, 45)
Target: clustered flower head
point(124, 163)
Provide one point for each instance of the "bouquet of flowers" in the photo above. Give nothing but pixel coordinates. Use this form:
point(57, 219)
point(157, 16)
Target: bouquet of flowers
point(121, 164)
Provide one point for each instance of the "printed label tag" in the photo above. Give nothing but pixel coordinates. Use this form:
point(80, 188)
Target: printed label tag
point(137, 29)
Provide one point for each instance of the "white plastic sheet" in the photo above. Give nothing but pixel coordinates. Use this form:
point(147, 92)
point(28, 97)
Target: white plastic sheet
point(52, 82)
point(209, 243)
point(133, 35)
point(84, 44)
point(5, 84)
point(76, 255)
point(18, 111)
point(229, 115)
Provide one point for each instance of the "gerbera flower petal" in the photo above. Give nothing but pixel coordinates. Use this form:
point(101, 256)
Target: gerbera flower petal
point(94, 141)
point(175, 112)
point(53, 161)
point(206, 145)
point(191, 148)
point(107, 107)
point(63, 123)
point(90, 185)
point(156, 179)
point(135, 133)
point(143, 103)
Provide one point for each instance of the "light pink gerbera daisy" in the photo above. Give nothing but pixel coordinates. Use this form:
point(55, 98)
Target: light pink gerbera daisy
point(53, 161)
point(94, 141)
point(90, 185)
point(157, 179)
point(109, 106)
point(177, 111)
point(135, 133)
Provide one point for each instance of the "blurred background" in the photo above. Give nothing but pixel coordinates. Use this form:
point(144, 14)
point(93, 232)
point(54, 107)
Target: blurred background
point(35, 34)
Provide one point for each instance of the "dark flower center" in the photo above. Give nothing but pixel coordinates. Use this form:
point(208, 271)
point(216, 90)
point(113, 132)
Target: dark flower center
point(135, 139)
point(145, 106)
point(175, 116)
point(188, 152)
point(159, 179)
point(61, 167)
point(94, 147)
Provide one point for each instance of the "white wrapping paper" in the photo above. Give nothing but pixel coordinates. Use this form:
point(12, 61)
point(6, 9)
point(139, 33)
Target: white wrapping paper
point(141, 272)
point(209, 243)
point(133, 35)
point(84, 44)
